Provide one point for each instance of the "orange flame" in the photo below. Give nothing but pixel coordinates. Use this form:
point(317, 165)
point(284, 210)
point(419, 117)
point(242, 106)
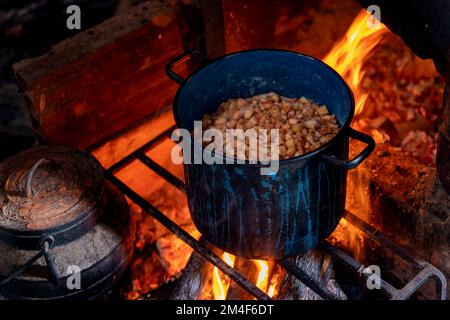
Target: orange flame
point(262, 281)
point(272, 290)
point(349, 55)
point(263, 274)
point(220, 284)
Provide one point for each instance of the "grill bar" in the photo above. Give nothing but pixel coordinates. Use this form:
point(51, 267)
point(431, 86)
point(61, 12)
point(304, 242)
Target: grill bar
point(177, 183)
point(306, 279)
point(188, 239)
point(428, 271)
point(152, 143)
point(354, 265)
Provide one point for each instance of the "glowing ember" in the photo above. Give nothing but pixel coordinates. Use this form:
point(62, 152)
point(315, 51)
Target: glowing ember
point(349, 55)
point(221, 284)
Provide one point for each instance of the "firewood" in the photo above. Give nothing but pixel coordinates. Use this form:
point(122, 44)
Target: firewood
point(194, 282)
point(235, 291)
point(318, 264)
point(104, 79)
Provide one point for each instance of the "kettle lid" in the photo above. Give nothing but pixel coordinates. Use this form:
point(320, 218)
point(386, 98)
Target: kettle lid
point(46, 190)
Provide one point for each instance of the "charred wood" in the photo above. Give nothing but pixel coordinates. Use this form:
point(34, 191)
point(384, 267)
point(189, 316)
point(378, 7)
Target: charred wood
point(319, 266)
point(194, 281)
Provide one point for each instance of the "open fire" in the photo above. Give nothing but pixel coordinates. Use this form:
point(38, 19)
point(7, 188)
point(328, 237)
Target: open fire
point(220, 283)
point(351, 57)
point(348, 57)
point(398, 101)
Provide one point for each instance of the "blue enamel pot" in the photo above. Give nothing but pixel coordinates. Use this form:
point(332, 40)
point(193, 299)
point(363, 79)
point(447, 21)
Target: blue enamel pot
point(267, 216)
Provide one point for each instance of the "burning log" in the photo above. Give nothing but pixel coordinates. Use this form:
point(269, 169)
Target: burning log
point(318, 264)
point(201, 280)
point(104, 79)
point(193, 283)
point(235, 292)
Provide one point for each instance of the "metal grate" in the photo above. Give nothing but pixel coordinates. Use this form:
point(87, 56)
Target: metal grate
point(427, 270)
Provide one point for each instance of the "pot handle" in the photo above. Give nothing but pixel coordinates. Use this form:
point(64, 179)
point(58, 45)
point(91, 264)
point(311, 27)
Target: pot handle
point(351, 164)
point(183, 57)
